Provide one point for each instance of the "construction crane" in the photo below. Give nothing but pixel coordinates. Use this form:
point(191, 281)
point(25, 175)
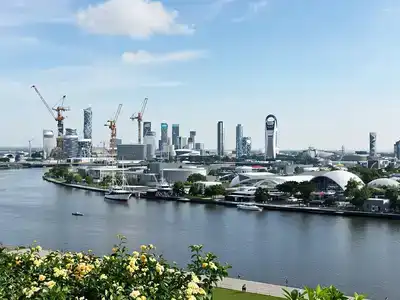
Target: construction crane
point(112, 125)
point(59, 108)
point(139, 118)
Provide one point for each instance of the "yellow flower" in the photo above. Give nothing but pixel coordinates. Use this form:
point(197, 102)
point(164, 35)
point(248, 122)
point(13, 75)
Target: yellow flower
point(42, 278)
point(50, 284)
point(38, 248)
point(143, 258)
point(143, 298)
point(204, 265)
point(134, 294)
point(212, 266)
point(114, 249)
point(18, 262)
point(159, 269)
point(37, 262)
point(79, 255)
point(143, 247)
point(103, 277)
point(151, 246)
point(191, 297)
point(135, 254)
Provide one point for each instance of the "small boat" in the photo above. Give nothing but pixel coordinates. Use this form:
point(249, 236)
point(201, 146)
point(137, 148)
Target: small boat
point(79, 214)
point(249, 206)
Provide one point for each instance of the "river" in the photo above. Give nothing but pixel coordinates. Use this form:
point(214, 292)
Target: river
point(355, 254)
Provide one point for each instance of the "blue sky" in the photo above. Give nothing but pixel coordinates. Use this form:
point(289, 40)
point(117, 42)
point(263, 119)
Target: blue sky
point(328, 70)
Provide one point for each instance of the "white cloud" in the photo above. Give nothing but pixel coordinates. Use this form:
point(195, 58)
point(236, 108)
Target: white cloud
point(144, 57)
point(134, 18)
point(252, 9)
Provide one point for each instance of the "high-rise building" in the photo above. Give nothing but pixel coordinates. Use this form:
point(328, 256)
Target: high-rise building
point(192, 135)
point(184, 142)
point(271, 137)
point(397, 150)
point(175, 135)
point(372, 144)
point(220, 138)
point(150, 141)
point(146, 128)
point(239, 136)
point(87, 123)
point(49, 142)
point(164, 135)
point(70, 144)
point(190, 143)
point(246, 146)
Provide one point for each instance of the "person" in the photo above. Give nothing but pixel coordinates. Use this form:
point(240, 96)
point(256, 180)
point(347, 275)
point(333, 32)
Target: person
point(238, 276)
point(244, 288)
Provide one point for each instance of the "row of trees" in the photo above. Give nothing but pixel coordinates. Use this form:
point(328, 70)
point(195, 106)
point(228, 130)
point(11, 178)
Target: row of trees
point(302, 189)
point(179, 189)
point(358, 194)
point(63, 173)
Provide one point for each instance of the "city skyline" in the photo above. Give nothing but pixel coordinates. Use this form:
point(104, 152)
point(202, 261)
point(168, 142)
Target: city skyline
point(313, 65)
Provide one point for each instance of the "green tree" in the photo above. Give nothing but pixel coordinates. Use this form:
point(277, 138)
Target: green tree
point(351, 187)
point(319, 293)
point(393, 195)
point(194, 190)
point(305, 189)
point(288, 187)
point(179, 188)
point(261, 195)
point(360, 196)
point(298, 170)
point(118, 179)
point(89, 179)
point(4, 159)
point(214, 190)
point(77, 178)
point(196, 177)
point(106, 181)
point(69, 178)
point(213, 172)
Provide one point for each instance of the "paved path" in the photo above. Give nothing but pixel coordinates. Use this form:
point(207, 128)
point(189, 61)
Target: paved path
point(254, 287)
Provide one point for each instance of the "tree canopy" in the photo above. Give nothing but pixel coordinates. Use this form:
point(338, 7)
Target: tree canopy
point(196, 177)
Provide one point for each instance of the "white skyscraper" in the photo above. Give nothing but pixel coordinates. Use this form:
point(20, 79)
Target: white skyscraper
point(271, 137)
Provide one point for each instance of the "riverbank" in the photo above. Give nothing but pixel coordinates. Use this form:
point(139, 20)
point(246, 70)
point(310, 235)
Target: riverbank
point(286, 208)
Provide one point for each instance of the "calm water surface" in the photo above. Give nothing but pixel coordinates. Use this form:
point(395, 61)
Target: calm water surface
point(355, 254)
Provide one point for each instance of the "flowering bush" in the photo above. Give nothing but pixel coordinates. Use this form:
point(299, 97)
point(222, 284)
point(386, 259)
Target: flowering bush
point(141, 275)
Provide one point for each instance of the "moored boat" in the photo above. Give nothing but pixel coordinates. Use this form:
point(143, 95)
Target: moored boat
point(249, 206)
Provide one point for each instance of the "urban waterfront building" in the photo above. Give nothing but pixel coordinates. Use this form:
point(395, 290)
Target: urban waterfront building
point(85, 148)
point(192, 135)
point(198, 146)
point(397, 150)
point(246, 146)
point(49, 142)
point(164, 135)
point(131, 152)
point(220, 138)
point(87, 123)
point(175, 135)
point(150, 141)
point(190, 143)
point(146, 128)
point(372, 144)
point(239, 136)
point(70, 144)
point(271, 137)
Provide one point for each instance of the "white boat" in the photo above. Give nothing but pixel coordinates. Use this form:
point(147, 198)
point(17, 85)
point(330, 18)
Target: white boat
point(249, 206)
point(116, 192)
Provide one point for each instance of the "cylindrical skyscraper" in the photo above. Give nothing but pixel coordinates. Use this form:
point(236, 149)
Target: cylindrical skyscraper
point(220, 138)
point(49, 142)
point(239, 136)
point(271, 137)
point(87, 123)
point(71, 146)
point(372, 144)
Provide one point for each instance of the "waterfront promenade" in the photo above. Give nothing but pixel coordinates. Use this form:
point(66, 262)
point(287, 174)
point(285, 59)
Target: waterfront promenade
point(287, 208)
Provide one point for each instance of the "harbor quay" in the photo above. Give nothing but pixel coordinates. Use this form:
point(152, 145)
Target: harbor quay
point(286, 208)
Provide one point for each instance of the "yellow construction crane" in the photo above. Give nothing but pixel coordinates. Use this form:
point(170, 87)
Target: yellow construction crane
point(139, 118)
point(112, 125)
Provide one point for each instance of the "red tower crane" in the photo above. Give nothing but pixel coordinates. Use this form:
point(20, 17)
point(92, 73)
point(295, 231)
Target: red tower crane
point(139, 118)
point(112, 125)
point(59, 108)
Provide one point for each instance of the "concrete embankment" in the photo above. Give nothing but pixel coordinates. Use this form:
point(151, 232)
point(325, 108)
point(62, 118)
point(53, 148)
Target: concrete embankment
point(287, 208)
point(77, 186)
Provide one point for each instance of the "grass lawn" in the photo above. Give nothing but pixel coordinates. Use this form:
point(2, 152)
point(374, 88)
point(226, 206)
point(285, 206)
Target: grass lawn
point(224, 294)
